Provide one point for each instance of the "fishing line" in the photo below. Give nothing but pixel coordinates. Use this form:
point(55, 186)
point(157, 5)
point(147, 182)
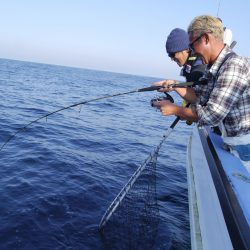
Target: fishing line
point(218, 9)
point(152, 88)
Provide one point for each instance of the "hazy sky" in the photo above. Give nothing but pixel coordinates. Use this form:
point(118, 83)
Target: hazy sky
point(120, 36)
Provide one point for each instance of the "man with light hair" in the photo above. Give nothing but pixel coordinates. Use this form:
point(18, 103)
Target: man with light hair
point(225, 99)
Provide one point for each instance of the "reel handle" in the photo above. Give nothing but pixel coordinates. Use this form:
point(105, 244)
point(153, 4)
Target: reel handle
point(167, 97)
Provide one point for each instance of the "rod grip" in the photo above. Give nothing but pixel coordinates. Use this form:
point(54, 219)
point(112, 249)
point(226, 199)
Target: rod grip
point(182, 85)
point(152, 88)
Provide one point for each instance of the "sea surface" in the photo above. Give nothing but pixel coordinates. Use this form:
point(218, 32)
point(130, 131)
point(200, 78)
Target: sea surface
point(58, 177)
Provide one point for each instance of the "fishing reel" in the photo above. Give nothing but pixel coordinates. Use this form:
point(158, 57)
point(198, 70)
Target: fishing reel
point(154, 101)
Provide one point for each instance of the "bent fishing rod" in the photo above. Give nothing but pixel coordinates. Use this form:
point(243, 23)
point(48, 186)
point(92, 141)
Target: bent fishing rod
point(151, 88)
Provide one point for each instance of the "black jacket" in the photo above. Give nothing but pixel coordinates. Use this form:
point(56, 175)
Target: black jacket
point(193, 69)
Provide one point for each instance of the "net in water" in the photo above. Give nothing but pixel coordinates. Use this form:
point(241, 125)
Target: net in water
point(131, 221)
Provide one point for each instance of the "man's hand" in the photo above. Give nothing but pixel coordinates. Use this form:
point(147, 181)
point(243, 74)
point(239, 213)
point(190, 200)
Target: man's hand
point(168, 108)
point(165, 106)
point(166, 84)
point(158, 104)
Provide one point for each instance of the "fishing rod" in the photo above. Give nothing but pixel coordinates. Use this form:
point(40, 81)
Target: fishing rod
point(182, 84)
point(146, 89)
point(152, 88)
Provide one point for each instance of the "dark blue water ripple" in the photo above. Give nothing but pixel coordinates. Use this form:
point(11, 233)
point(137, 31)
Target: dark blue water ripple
point(59, 176)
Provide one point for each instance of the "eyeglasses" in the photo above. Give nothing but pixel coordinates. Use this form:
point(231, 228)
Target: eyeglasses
point(171, 55)
point(191, 45)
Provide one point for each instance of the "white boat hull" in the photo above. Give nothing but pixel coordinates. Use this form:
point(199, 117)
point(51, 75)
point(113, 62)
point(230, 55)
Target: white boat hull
point(208, 227)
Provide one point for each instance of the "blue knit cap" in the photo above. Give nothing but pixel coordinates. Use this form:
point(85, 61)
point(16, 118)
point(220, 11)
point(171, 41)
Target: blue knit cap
point(177, 41)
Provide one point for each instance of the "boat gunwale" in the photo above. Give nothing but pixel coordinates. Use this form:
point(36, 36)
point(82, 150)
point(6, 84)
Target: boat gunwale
point(236, 222)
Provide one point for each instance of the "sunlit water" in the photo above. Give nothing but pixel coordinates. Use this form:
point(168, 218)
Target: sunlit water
point(59, 176)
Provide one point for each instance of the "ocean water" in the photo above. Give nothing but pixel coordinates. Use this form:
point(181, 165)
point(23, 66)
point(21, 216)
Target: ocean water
point(58, 177)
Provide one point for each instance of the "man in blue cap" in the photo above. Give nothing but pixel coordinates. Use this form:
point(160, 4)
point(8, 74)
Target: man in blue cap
point(177, 47)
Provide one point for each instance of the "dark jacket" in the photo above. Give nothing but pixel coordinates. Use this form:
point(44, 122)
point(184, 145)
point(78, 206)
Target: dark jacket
point(193, 70)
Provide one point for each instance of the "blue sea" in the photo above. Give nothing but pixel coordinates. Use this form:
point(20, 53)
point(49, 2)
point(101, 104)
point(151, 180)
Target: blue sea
point(58, 177)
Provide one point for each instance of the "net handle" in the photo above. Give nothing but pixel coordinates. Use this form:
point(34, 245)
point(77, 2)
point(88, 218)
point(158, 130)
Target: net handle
point(118, 199)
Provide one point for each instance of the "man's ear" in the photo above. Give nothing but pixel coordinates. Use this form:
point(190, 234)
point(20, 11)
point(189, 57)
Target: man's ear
point(207, 38)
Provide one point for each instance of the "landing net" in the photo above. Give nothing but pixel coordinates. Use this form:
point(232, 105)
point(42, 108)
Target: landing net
point(131, 221)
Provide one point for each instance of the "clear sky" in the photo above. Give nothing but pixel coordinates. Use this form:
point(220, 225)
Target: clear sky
point(113, 35)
